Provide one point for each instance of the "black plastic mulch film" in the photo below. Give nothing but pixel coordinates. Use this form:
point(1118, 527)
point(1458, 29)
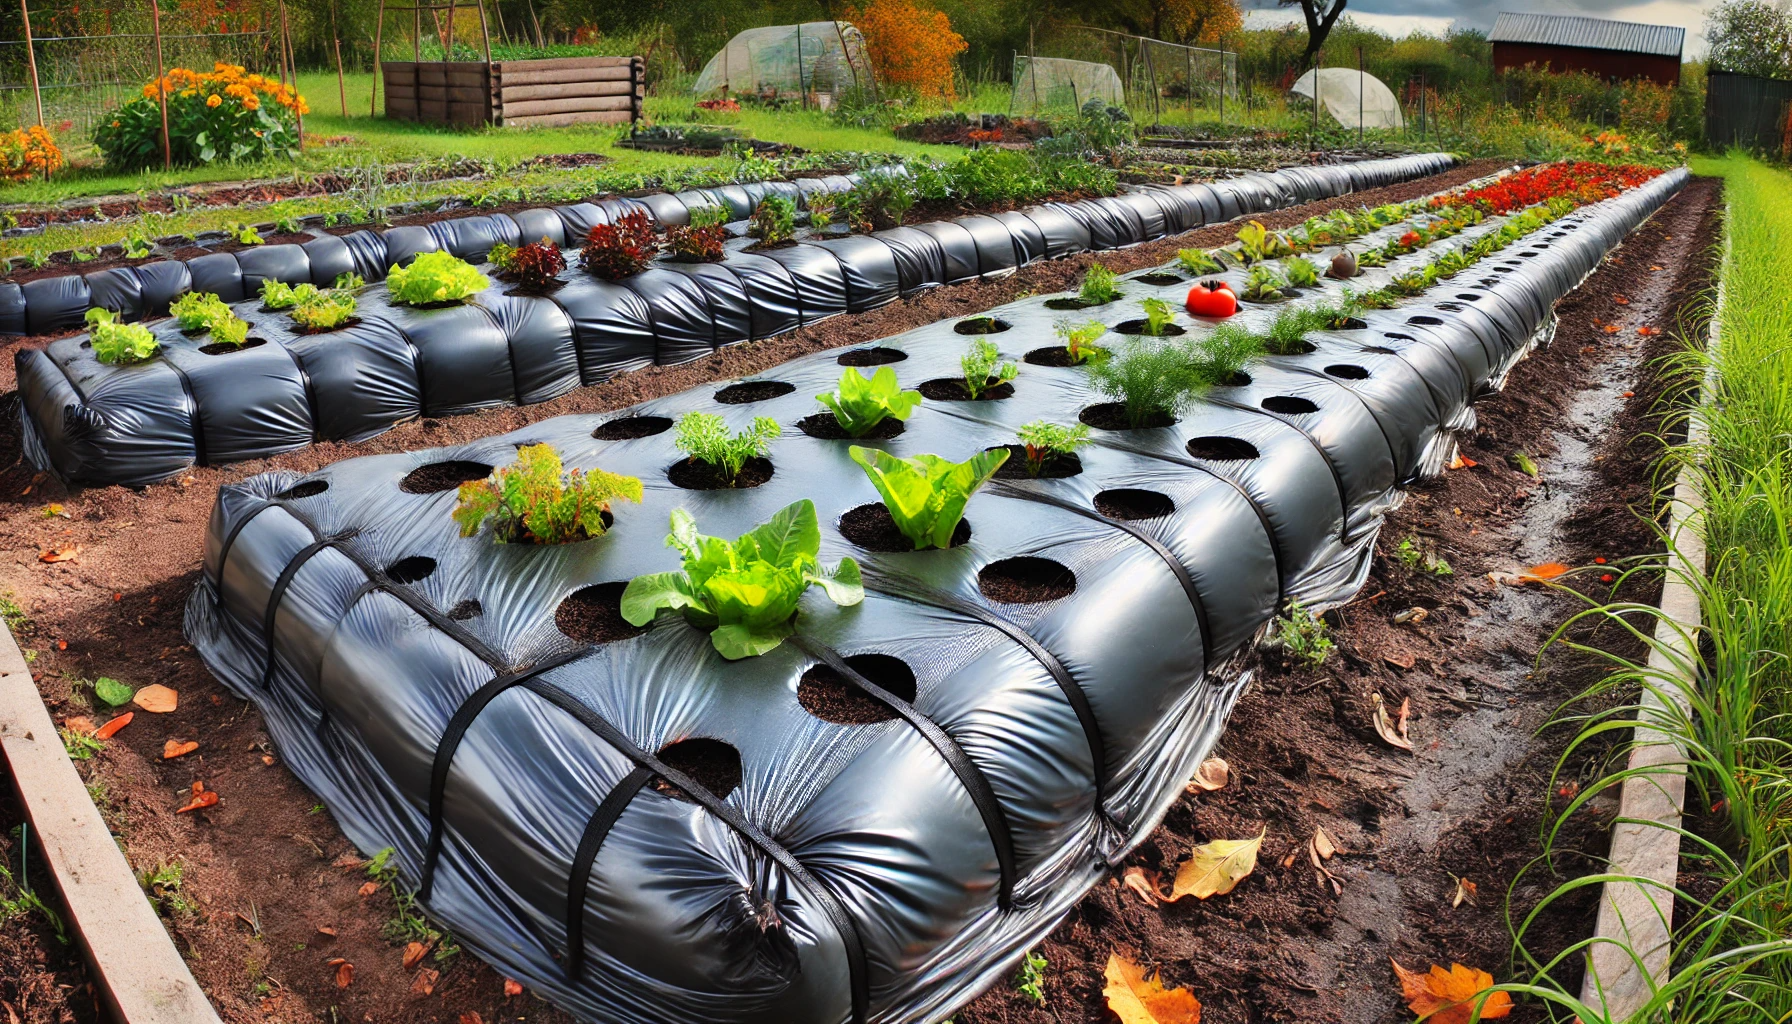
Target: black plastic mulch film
point(882, 871)
point(93, 423)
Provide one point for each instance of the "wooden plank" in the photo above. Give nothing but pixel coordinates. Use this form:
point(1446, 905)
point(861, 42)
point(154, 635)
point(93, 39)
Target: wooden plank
point(561, 120)
point(506, 67)
point(550, 76)
point(565, 90)
point(428, 75)
point(136, 967)
point(401, 90)
point(577, 104)
point(457, 94)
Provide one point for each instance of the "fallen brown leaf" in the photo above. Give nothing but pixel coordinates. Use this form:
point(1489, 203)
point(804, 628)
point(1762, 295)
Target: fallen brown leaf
point(202, 798)
point(1462, 461)
point(1213, 774)
point(1414, 614)
point(324, 929)
point(1400, 657)
point(413, 954)
point(471, 1017)
point(1144, 883)
point(512, 988)
point(1390, 734)
point(80, 725)
point(1136, 999)
point(1215, 868)
point(60, 553)
point(345, 972)
point(347, 862)
point(425, 981)
point(1323, 845)
point(174, 748)
point(1449, 997)
point(157, 699)
point(368, 888)
point(1465, 893)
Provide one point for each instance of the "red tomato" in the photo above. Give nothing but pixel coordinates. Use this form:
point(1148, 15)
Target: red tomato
point(1213, 299)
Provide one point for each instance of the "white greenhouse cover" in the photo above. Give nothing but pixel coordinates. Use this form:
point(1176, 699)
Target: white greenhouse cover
point(1043, 83)
point(762, 58)
point(1339, 89)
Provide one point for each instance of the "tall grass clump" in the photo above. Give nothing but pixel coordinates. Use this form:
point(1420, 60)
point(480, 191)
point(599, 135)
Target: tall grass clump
point(1729, 706)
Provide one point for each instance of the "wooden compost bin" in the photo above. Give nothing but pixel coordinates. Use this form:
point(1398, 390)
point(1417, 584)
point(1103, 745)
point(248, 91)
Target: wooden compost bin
point(555, 91)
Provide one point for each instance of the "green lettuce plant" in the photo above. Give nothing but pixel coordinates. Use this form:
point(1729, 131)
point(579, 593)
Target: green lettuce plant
point(926, 494)
point(435, 277)
point(198, 311)
point(119, 343)
point(535, 502)
point(1198, 262)
point(745, 593)
point(348, 280)
point(983, 368)
point(860, 403)
point(232, 332)
point(1264, 284)
point(704, 437)
point(1302, 272)
point(280, 295)
point(1158, 315)
point(1047, 442)
point(1100, 286)
point(325, 311)
point(774, 220)
point(1079, 340)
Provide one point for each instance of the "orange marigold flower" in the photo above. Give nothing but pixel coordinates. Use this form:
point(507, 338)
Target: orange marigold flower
point(251, 103)
point(213, 100)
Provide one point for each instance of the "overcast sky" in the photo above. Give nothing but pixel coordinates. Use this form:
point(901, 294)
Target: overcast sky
point(1437, 16)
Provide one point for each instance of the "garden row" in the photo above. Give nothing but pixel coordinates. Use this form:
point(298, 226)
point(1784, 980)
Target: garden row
point(657, 787)
point(194, 400)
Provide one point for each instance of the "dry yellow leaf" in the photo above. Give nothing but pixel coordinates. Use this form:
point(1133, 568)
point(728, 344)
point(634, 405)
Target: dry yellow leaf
point(1136, 999)
point(1391, 734)
point(1144, 883)
point(157, 699)
point(1213, 869)
point(1213, 774)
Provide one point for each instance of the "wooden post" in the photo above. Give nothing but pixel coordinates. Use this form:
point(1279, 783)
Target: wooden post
point(539, 40)
point(802, 87)
point(379, 27)
point(1033, 68)
point(31, 59)
point(286, 47)
point(336, 41)
point(447, 50)
point(485, 30)
point(1359, 97)
point(155, 10)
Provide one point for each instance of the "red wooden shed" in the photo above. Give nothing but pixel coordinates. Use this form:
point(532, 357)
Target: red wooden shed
point(1615, 50)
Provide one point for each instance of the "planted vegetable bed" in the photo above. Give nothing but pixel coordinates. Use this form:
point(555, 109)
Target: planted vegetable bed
point(91, 422)
point(871, 808)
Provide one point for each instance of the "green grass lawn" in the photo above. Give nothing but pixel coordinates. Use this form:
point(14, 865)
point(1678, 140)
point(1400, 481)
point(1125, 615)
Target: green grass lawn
point(335, 140)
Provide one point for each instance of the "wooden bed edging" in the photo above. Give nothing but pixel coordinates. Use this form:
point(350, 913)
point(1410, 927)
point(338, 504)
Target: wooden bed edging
point(136, 969)
point(551, 91)
point(1632, 939)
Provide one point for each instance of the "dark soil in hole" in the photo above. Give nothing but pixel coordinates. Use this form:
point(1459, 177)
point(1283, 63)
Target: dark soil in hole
point(829, 696)
point(443, 476)
point(982, 325)
point(1347, 371)
point(1026, 580)
point(1132, 503)
point(1288, 405)
point(1112, 416)
point(219, 348)
point(593, 615)
point(305, 490)
point(1055, 467)
point(1222, 449)
point(1078, 303)
point(1137, 327)
point(753, 391)
point(826, 427)
point(1240, 379)
point(301, 329)
point(770, 246)
point(1349, 323)
point(521, 292)
point(870, 527)
point(712, 764)
point(1051, 355)
point(1159, 280)
point(631, 427)
point(707, 476)
point(877, 355)
point(952, 389)
point(413, 569)
point(467, 608)
point(1298, 348)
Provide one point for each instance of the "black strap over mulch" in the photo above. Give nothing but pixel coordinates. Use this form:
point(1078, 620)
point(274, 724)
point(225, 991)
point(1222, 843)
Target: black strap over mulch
point(975, 783)
point(596, 831)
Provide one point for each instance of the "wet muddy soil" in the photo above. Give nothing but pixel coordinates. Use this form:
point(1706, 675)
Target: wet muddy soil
point(266, 871)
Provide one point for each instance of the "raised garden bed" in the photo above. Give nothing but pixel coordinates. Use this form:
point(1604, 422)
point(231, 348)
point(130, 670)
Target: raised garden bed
point(317, 604)
point(516, 93)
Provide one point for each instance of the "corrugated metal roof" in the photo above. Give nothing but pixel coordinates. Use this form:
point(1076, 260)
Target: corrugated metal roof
point(1591, 33)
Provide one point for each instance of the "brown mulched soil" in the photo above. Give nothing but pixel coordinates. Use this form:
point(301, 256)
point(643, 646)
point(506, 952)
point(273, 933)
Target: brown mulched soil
point(42, 979)
point(1300, 745)
point(1469, 803)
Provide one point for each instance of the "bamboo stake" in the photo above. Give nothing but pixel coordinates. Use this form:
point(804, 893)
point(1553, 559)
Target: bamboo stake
point(379, 27)
point(485, 31)
point(286, 47)
point(155, 10)
point(31, 58)
point(336, 41)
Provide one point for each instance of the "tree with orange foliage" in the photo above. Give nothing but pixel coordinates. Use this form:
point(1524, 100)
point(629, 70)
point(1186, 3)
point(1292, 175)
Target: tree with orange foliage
point(1180, 21)
point(910, 46)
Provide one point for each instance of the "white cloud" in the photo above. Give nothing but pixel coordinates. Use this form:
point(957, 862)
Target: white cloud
point(1398, 17)
point(1396, 25)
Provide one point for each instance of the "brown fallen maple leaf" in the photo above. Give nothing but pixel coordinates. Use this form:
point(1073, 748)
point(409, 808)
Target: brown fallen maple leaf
point(1449, 997)
point(175, 748)
point(345, 972)
point(60, 553)
point(425, 981)
point(1136, 999)
point(156, 699)
point(413, 954)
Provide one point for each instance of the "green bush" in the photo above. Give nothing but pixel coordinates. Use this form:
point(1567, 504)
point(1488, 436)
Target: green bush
point(119, 343)
point(774, 220)
point(534, 502)
point(220, 116)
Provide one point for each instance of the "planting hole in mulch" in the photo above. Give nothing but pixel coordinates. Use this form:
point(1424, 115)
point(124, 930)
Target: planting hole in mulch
point(877, 355)
point(1112, 416)
point(1129, 503)
point(1077, 303)
point(1288, 405)
point(1026, 580)
point(1350, 323)
point(300, 329)
point(1347, 371)
point(1239, 379)
point(631, 427)
point(1051, 355)
point(467, 608)
point(412, 569)
point(1055, 467)
point(831, 697)
point(1222, 449)
point(824, 426)
point(952, 389)
point(982, 325)
point(1158, 280)
point(1425, 321)
point(443, 476)
point(219, 348)
point(308, 489)
point(1299, 348)
point(693, 475)
point(870, 527)
point(1137, 328)
point(753, 391)
point(712, 764)
point(593, 615)
point(1379, 350)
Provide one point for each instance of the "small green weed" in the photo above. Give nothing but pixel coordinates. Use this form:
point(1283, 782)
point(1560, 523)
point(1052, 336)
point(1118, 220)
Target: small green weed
point(1419, 557)
point(1303, 635)
point(406, 923)
point(1030, 981)
point(163, 885)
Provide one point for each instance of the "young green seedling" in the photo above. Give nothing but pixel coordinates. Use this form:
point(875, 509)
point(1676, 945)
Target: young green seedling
point(926, 494)
point(860, 403)
point(704, 437)
point(1048, 442)
point(981, 370)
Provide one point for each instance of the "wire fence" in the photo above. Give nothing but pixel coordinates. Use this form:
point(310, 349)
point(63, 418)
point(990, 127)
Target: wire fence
point(1152, 76)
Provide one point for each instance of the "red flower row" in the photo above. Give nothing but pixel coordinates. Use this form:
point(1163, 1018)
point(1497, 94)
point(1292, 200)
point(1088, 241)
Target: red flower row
point(1582, 181)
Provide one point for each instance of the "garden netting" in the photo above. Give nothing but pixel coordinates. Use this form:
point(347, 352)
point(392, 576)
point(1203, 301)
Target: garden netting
point(93, 423)
point(429, 688)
